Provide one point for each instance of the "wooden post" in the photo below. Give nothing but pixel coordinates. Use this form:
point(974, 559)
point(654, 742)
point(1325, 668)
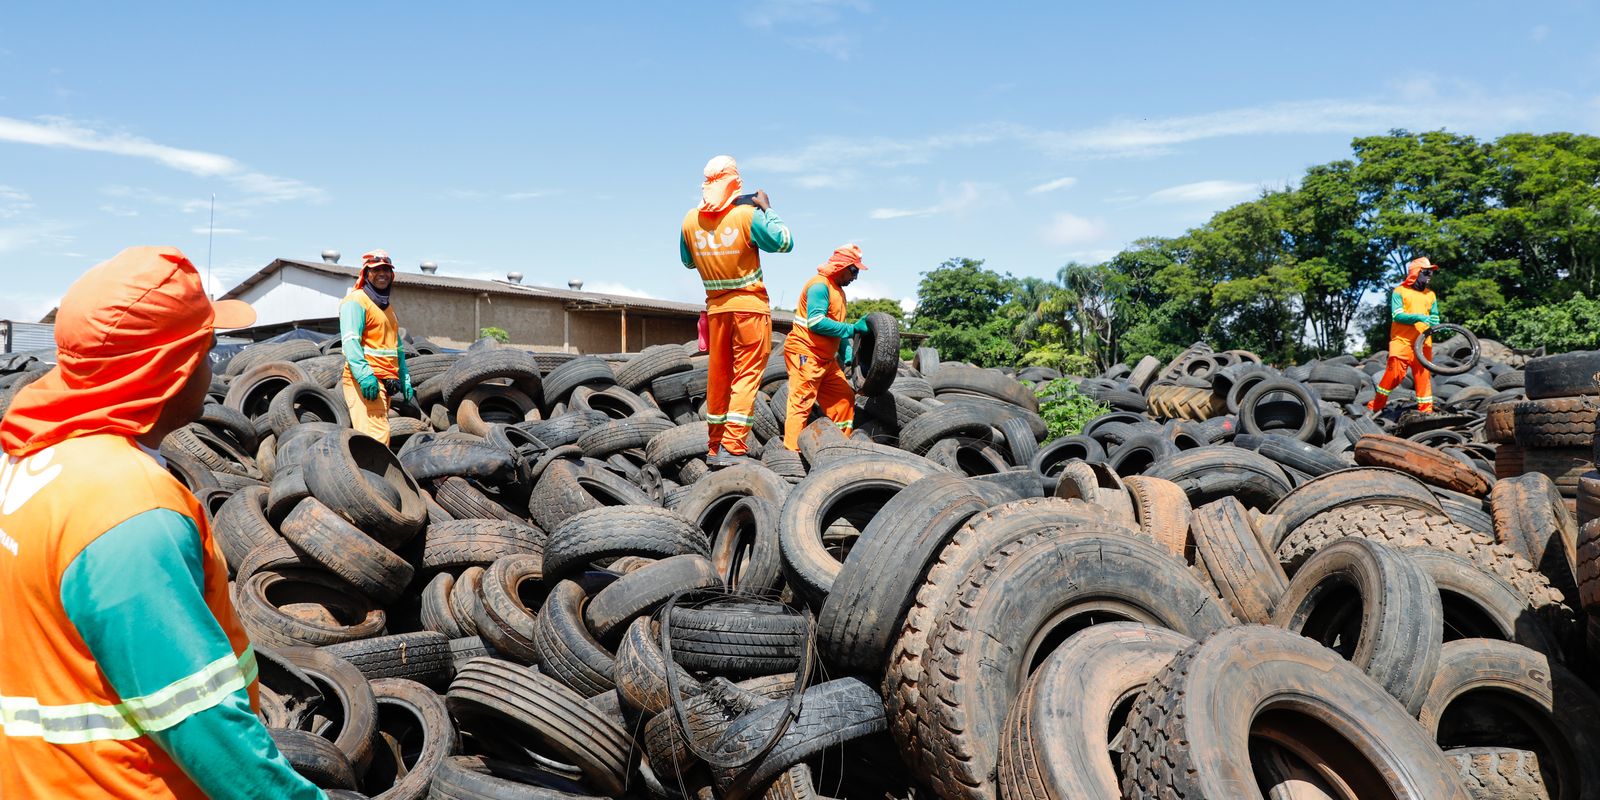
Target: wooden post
point(624, 329)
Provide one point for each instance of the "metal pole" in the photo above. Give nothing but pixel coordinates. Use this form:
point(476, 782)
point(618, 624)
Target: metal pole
point(566, 330)
point(210, 232)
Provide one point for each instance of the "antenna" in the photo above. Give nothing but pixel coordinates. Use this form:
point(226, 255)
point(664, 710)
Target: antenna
point(210, 231)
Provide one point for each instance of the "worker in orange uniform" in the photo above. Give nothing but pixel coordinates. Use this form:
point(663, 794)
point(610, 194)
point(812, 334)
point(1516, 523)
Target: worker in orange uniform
point(369, 337)
point(1413, 309)
point(820, 345)
point(127, 673)
point(723, 239)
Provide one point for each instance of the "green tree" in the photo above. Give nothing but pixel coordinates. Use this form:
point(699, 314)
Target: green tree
point(498, 334)
point(956, 307)
point(856, 309)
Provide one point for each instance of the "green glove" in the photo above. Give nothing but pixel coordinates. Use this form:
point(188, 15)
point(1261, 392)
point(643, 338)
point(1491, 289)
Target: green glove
point(861, 325)
point(369, 384)
point(409, 392)
point(1433, 319)
point(847, 352)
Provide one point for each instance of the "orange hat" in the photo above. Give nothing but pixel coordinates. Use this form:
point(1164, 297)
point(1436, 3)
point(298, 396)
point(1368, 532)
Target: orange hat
point(129, 334)
point(370, 259)
point(844, 257)
point(721, 186)
point(1416, 266)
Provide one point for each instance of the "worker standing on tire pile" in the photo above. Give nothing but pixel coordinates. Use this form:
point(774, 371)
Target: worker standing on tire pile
point(369, 336)
point(820, 346)
point(127, 672)
point(1413, 309)
point(723, 238)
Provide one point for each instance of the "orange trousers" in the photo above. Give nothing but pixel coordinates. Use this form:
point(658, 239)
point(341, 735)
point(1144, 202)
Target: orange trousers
point(1396, 372)
point(740, 344)
point(815, 378)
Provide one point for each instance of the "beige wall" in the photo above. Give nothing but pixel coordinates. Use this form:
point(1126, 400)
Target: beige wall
point(532, 321)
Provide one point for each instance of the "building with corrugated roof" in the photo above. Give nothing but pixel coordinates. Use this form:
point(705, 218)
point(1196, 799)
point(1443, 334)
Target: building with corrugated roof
point(290, 293)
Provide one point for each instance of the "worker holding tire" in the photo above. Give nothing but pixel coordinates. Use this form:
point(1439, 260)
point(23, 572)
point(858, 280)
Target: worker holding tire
point(723, 239)
point(819, 347)
point(1413, 309)
point(369, 337)
point(128, 673)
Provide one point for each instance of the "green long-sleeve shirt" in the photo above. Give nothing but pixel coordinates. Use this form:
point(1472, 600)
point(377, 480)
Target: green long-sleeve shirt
point(1398, 314)
point(135, 596)
point(817, 314)
point(352, 321)
point(767, 232)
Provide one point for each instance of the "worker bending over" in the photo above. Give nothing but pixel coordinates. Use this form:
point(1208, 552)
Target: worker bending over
point(722, 239)
point(819, 344)
point(1413, 309)
point(369, 336)
point(127, 673)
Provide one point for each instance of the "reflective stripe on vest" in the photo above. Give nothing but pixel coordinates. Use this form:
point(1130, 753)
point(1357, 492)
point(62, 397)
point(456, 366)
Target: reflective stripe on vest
point(134, 717)
point(733, 283)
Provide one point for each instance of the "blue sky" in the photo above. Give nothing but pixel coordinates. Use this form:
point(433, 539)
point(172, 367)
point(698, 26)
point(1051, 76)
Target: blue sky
point(566, 140)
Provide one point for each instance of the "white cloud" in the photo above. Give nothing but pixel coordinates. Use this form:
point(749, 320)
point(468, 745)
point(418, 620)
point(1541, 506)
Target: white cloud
point(1206, 192)
point(201, 230)
point(119, 211)
point(34, 236)
point(808, 13)
point(1067, 230)
point(908, 304)
point(525, 195)
point(13, 202)
point(834, 45)
point(25, 307)
point(60, 132)
point(1050, 186)
point(865, 288)
point(612, 287)
point(967, 195)
point(837, 180)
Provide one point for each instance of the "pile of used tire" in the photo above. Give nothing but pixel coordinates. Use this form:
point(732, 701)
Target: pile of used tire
point(1235, 583)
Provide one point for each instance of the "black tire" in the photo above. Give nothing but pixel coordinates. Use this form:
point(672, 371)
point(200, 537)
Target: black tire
point(1531, 518)
point(707, 500)
point(209, 450)
point(1243, 571)
point(564, 429)
point(344, 550)
point(858, 485)
point(1302, 424)
point(241, 525)
point(618, 435)
point(251, 393)
point(962, 379)
point(344, 471)
point(999, 629)
point(831, 714)
point(1420, 349)
point(347, 702)
point(1525, 698)
point(641, 591)
point(1478, 604)
point(1140, 453)
point(946, 422)
point(641, 670)
point(1556, 422)
point(509, 591)
point(419, 723)
point(741, 638)
point(287, 490)
point(619, 531)
point(1055, 746)
point(1292, 453)
point(1370, 486)
point(1564, 375)
point(651, 363)
point(568, 488)
point(878, 580)
point(1184, 727)
point(476, 542)
point(478, 778)
point(675, 445)
point(566, 650)
point(1502, 773)
point(464, 501)
point(423, 657)
point(1373, 606)
point(349, 616)
point(1207, 474)
point(745, 547)
point(580, 371)
point(877, 355)
point(315, 758)
point(298, 400)
point(474, 368)
point(488, 695)
point(435, 613)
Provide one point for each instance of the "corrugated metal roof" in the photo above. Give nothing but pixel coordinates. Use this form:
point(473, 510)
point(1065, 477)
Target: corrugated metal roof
point(570, 298)
point(18, 337)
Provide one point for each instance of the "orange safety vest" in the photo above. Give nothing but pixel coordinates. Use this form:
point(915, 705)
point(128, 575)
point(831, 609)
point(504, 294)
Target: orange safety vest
point(380, 338)
point(1403, 335)
point(64, 731)
point(819, 344)
point(728, 261)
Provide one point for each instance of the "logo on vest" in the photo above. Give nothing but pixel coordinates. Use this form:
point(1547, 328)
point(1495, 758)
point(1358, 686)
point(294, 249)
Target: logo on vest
point(21, 479)
point(711, 245)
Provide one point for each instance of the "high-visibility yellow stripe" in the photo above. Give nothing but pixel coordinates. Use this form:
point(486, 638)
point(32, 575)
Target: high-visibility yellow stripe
point(1383, 391)
point(733, 283)
point(134, 717)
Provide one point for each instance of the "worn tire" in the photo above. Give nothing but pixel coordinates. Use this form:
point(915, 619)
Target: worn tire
point(1427, 464)
point(1207, 474)
point(1246, 574)
point(616, 531)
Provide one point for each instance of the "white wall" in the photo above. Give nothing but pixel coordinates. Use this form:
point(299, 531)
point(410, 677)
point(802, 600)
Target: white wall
point(293, 294)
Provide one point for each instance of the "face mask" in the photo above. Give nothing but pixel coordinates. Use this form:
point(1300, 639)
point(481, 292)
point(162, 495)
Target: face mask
point(1423, 279)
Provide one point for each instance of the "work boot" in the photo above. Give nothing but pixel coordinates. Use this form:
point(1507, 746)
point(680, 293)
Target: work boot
point(723, 460)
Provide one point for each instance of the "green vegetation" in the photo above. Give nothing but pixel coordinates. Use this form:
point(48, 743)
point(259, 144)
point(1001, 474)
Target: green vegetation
point(1065, 409)
point(1515, 223)
point(498, 334)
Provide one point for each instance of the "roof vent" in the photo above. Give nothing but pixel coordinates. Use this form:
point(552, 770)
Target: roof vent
point(430, 268)
point(576, 284)
point(514, 277)
point(330, 256)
